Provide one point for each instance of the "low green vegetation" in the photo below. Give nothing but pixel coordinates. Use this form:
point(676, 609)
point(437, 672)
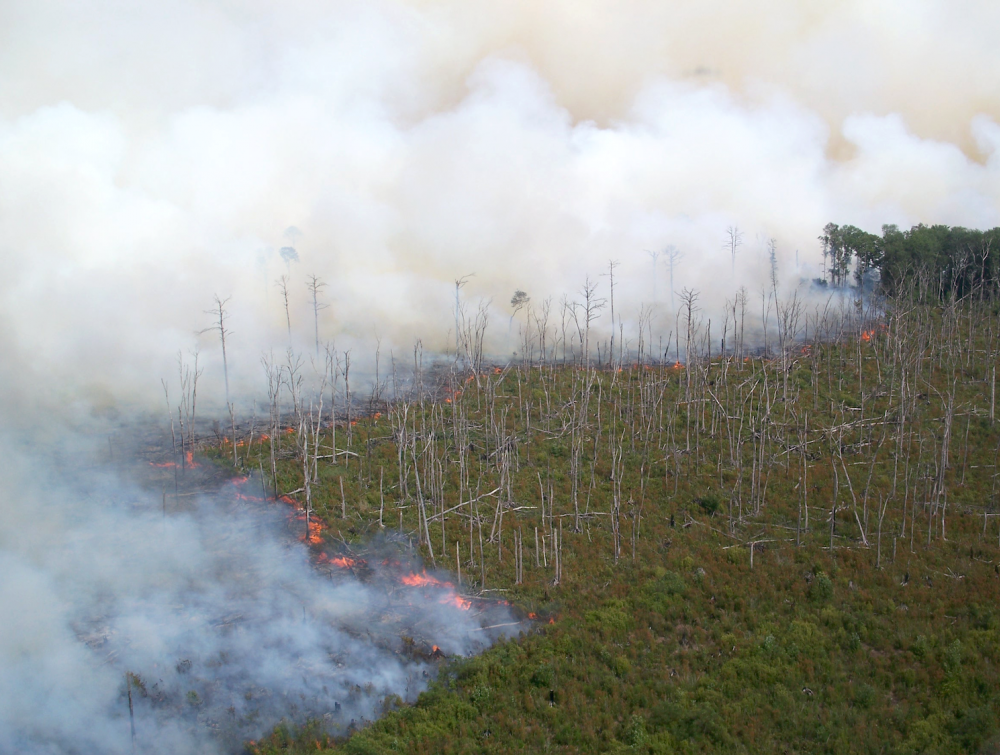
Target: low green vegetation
point(795, 551)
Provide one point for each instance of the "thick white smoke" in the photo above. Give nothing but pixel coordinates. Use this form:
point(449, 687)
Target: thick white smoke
point(154, 156)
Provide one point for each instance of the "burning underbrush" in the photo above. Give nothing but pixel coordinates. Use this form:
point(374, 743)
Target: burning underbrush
point(213, 613)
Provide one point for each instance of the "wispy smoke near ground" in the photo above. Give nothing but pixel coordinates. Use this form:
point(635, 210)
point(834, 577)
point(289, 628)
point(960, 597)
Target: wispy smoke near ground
point(212, 606)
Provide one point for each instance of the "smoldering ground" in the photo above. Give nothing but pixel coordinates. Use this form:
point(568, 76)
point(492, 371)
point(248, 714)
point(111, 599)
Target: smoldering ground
point(205, 603)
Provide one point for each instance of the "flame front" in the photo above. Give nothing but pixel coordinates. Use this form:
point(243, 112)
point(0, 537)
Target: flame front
point(188, 457)
point(423, 580)
point(315, 533)
point(458, 601)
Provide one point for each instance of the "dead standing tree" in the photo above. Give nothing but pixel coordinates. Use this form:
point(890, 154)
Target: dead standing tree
point(592, 306)
point(518, 301)
point(473, 332)
point(459, 285)
point(612, 264)
point(274, 380)
point(654, 255)
point(734, 240)
point(282, 284)
point(187, 405)
point(219, 312)
point(674, 256)
point(315, 286)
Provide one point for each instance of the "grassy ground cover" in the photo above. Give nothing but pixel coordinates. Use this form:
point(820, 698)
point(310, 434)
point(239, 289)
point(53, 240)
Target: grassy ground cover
point(796, 553)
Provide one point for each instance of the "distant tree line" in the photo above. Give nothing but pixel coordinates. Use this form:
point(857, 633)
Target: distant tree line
point(933, 261)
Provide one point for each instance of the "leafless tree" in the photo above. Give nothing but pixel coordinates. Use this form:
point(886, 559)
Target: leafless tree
point(674, 256)
point(282, 284)
point(734, 240)
point(315, 286)
point(220, 313)
point(612, 264)
point(459, 285)
point(518, 301)
point(654, 255)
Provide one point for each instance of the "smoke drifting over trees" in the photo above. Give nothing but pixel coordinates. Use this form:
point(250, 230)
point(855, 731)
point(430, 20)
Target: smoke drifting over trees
point(404, 146)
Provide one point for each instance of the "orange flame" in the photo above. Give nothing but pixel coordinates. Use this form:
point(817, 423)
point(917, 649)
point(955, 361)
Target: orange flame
point(458, 601)
point(422, 580)
point(315, 534)
point(343, 562)
point(189, 456)
point(426, 580)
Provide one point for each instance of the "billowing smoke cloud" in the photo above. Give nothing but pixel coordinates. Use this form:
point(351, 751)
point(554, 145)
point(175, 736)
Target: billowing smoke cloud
point(154, 157)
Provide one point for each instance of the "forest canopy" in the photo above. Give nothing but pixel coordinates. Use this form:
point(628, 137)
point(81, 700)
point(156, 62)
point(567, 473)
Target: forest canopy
point(939, 259)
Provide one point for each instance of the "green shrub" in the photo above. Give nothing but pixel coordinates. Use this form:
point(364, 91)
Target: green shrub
point(971, 727)
point(634, 734)
point(669, 583)
point(709, 503)
point(953, 656)
point(543, 676)
point(611, 620)
point(360, 745)
point(864, 696)
point(821, 589)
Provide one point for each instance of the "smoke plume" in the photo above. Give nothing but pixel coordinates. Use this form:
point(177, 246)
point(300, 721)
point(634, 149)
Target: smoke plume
point(152, 158)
